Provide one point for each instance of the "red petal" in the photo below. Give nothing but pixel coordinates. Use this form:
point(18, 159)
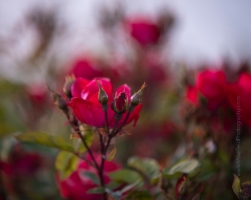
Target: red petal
point(134, 116)
point(92, 88)
point(78, 86)
point(87, 112)
point(126, 89)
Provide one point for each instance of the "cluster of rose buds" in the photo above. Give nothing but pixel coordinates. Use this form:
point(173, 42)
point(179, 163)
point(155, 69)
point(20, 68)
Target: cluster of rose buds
point(93, 104)
point(91, 98)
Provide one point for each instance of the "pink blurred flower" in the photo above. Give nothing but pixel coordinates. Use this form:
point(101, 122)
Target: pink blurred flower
point(86, 106)
point(37, 94)
point(211, 84)
point(239, 97)
point(21, 162)
point(86, 68)
point(75, 187)
point(144, 31)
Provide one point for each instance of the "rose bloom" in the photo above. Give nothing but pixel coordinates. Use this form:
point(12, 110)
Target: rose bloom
point(75, 187)
point(211, 84)
point(144, 31)
point(239, 97)
point(21, 163)
point(87, 108)
point(85, 68)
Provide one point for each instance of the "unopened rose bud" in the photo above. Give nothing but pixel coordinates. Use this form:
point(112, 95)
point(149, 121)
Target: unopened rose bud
point(102, 96)
point(59, 101)
point(120, 104)
point(136, 99)
point(69, 80)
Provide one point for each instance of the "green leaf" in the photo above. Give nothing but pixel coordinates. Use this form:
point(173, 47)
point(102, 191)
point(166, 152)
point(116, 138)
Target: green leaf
point(45, 139)
point(78, 144)
point(208, 169)
point(66, 163)
point(129, 187)
point(142, 195)
point(125, 176)
point(147, 166)
point(186, 166)
point(92, 176)
point(236, 185)
point(96, 190)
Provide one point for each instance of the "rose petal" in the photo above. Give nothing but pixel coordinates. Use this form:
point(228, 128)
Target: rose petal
point(92, 88)
point(134, 116)
point(78, 86)
point(87, 112)
point(126, 89)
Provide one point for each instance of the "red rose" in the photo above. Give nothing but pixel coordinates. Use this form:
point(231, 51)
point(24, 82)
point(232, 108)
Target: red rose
point(211, 85)
point(37, 94)
point(86, 68)
point(144, 31)
point(21, 162)
point(239, 97)
point(75, 187)
point(191, 94)
point(87, 108)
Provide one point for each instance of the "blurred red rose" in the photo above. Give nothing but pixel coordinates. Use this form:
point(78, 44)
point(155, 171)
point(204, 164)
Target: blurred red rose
point(144, 31)
point(86, 106)
point(239, 97)
point(191, 94)
point(21, 162)
point(20, 169)
point(75, 187)
point(211, 84)
point(37, 94)
point(86, 68)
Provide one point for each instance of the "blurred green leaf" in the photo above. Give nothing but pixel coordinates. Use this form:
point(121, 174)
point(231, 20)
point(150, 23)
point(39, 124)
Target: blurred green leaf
point(142, 195)
point(78, 144)
point(41, 138)
point(125, 176)
point(96, 190)
point(236, 185)
point(148, 166)
point(9, 88)
point(66, 163)
point(208, 169)
point(186, 166)
point(92, 176)
point(9, 122)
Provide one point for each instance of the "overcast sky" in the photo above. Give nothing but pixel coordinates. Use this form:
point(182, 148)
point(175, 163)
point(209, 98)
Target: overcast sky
point(207, 30)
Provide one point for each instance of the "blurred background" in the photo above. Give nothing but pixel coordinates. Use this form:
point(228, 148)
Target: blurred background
point(163, 43)
point(205, 31)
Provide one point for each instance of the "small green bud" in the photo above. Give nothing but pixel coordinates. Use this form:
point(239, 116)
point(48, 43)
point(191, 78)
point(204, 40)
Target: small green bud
point(59, 101)
point(69, 80)
point(136, 99)
point(102, 95)
point(120, 103)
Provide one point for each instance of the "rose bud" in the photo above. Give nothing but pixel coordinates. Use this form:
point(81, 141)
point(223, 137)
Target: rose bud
point(87, 108)
point(69, 80)
point(102, 96)
point(120, 103)
point(136, 99)
point(59, 101)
